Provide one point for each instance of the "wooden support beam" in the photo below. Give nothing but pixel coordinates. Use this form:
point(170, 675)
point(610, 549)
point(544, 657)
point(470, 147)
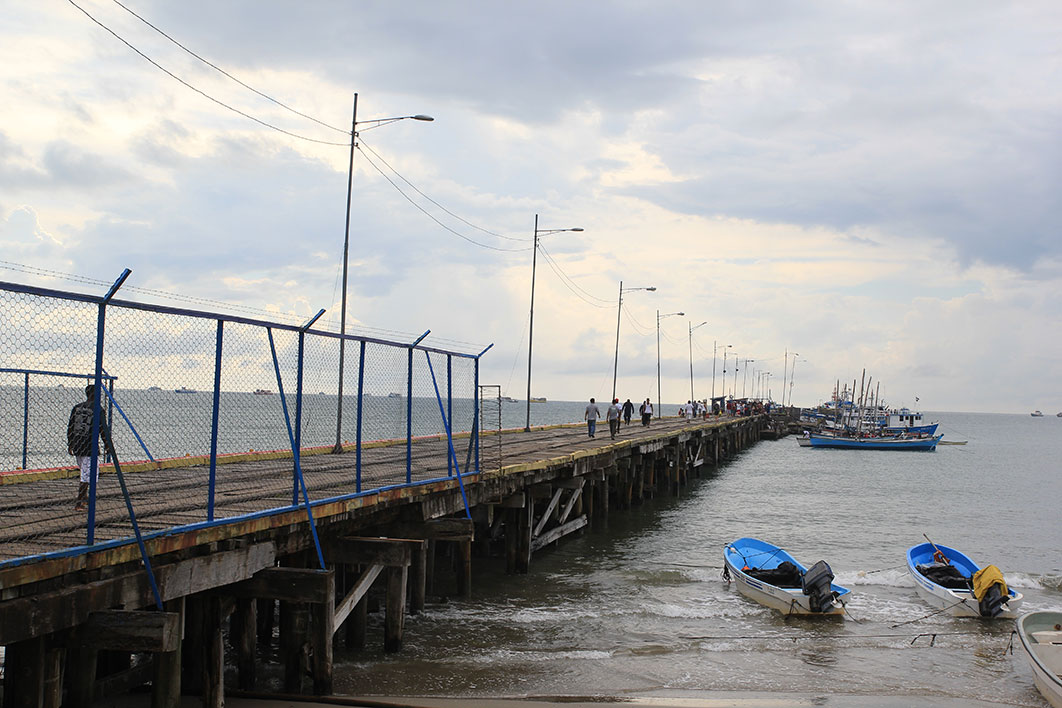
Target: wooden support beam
point(464, 568)
point(244, 630)
point(213, 654)
point(361, 587)
point(558, 532)
point(394, 619)
point(24, 674)
point(129, 631)
point(418, 576)
point(287, 584)
point(546, 514)
point(542, 490)
point(50, 612)
point(514, 501)
point(371, 551)
point(166, 669)
point(567, 510)
point(323, 626)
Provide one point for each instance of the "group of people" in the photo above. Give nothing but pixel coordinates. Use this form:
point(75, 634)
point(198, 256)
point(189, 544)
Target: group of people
point(614, 413)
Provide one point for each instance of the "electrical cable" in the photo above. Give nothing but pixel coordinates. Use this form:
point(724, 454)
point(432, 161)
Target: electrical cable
point(412, 186)
point(553, 261)
point(222, 71)
point(432, 216)
point(200, 91)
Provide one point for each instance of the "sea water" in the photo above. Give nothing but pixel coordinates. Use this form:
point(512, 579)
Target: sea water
point(638, 606)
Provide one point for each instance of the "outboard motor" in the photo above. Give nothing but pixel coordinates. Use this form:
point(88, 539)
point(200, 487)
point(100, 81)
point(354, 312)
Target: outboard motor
point(816, 584)
point(992, 603)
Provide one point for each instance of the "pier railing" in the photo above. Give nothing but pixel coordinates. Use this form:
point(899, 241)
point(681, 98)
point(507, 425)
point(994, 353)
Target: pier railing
point(232, 415)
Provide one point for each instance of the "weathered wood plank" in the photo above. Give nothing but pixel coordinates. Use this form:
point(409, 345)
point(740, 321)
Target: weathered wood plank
point(558, 532)
point(129, 630)
point(287, 585)
point(347, 604)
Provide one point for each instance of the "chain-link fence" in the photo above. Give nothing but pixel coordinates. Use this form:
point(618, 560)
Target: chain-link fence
point(212, 417)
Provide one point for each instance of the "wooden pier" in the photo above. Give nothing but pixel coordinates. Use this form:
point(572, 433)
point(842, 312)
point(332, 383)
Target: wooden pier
point(80, 627)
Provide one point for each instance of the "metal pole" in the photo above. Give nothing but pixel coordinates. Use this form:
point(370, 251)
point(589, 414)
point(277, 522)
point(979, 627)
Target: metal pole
point(714, 345)
point(691, 360)
point(615, 362)
point(338, 448)
point(531, 327)
point(659, 404)
point(785, 370)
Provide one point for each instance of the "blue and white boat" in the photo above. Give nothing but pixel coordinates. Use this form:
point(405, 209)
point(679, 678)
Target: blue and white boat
point(891, 442)
point(770, 576)
point(945, 579)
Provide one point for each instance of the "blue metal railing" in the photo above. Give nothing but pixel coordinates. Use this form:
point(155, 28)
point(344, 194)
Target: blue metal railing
point(294, 424)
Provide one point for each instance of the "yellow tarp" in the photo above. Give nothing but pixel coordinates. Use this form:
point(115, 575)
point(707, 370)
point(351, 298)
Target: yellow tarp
point(987, 577)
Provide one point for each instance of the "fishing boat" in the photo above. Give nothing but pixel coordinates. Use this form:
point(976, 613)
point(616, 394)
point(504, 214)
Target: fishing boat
point(263, 392)
point(509, 399)
point(770, 576)
point(945, 578)
point(538, 399)
point(394, 395)
point(184, 389)
point(890, 442)
point(1041, 638)
point(1037, 414)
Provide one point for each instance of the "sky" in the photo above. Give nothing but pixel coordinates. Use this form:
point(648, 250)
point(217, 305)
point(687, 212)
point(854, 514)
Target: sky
point(847, 185)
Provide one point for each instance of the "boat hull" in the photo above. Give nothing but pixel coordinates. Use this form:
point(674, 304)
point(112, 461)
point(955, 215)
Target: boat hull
point(754, 553)
point(1044, 657)
point(957, 603)
point(918, 444)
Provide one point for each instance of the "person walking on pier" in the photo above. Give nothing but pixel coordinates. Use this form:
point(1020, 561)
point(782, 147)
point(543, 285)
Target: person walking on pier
point(647, 412)
point(613, 416)
point(628, 411)
point(591, 416)
point(79, 442)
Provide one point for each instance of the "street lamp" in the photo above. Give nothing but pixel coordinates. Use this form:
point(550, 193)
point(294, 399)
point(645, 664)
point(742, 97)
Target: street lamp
point(531, 324)
point(659, 403)
point(619, 309)
point(354, 123)
point(791, 372)
point(714, 348)
point(691, 355)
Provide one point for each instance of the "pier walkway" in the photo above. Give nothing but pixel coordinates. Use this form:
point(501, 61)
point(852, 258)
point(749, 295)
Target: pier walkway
point(64, 611)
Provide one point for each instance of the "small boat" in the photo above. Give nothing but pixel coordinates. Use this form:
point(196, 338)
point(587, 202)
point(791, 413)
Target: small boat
point(184, 389)
point(945, 579)
point(154, 388)
point(1041, 638)
point(1037, 414)
point(1058, 415)
point(394, 395)
point(509, 399)
point(770, 576)
point(263, 392)
point(892, 442)
point(538, 399)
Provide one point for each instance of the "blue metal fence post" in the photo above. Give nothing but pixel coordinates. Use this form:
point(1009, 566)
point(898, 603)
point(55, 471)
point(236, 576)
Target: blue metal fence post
point(214, 420)
point(361, 397)
point(475, 415)
point(90, 533)
point(449, 406)
point(25, 420)
point(409, 409)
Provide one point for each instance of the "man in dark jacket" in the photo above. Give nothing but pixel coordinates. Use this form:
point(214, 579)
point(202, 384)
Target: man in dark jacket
point(79, 442)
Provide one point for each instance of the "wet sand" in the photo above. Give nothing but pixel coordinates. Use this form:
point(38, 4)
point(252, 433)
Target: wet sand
point(678, 699)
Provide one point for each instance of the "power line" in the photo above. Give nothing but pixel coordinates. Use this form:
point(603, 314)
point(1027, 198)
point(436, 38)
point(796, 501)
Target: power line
point(200, 91)
point(638, 327)
point(415, 189)
point(569, 283)
point(433, 217)
point(219, 69)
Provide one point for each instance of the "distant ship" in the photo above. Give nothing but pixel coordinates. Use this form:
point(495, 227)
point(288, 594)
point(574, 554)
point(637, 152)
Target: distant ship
point(394, 395)
point(184, 389)
point(154, 388)
point(263, 392)
point(1037, 414)
point(509, 399)
point(538, 399)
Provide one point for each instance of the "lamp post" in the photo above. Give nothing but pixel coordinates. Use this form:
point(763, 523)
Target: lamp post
point(531, 323)
point(659, 403)
point(791, 372)
point(733, 389)
point(619, 309)
point(354, 123)
point(691, 355)
point(744, 376)
point(714, 347)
